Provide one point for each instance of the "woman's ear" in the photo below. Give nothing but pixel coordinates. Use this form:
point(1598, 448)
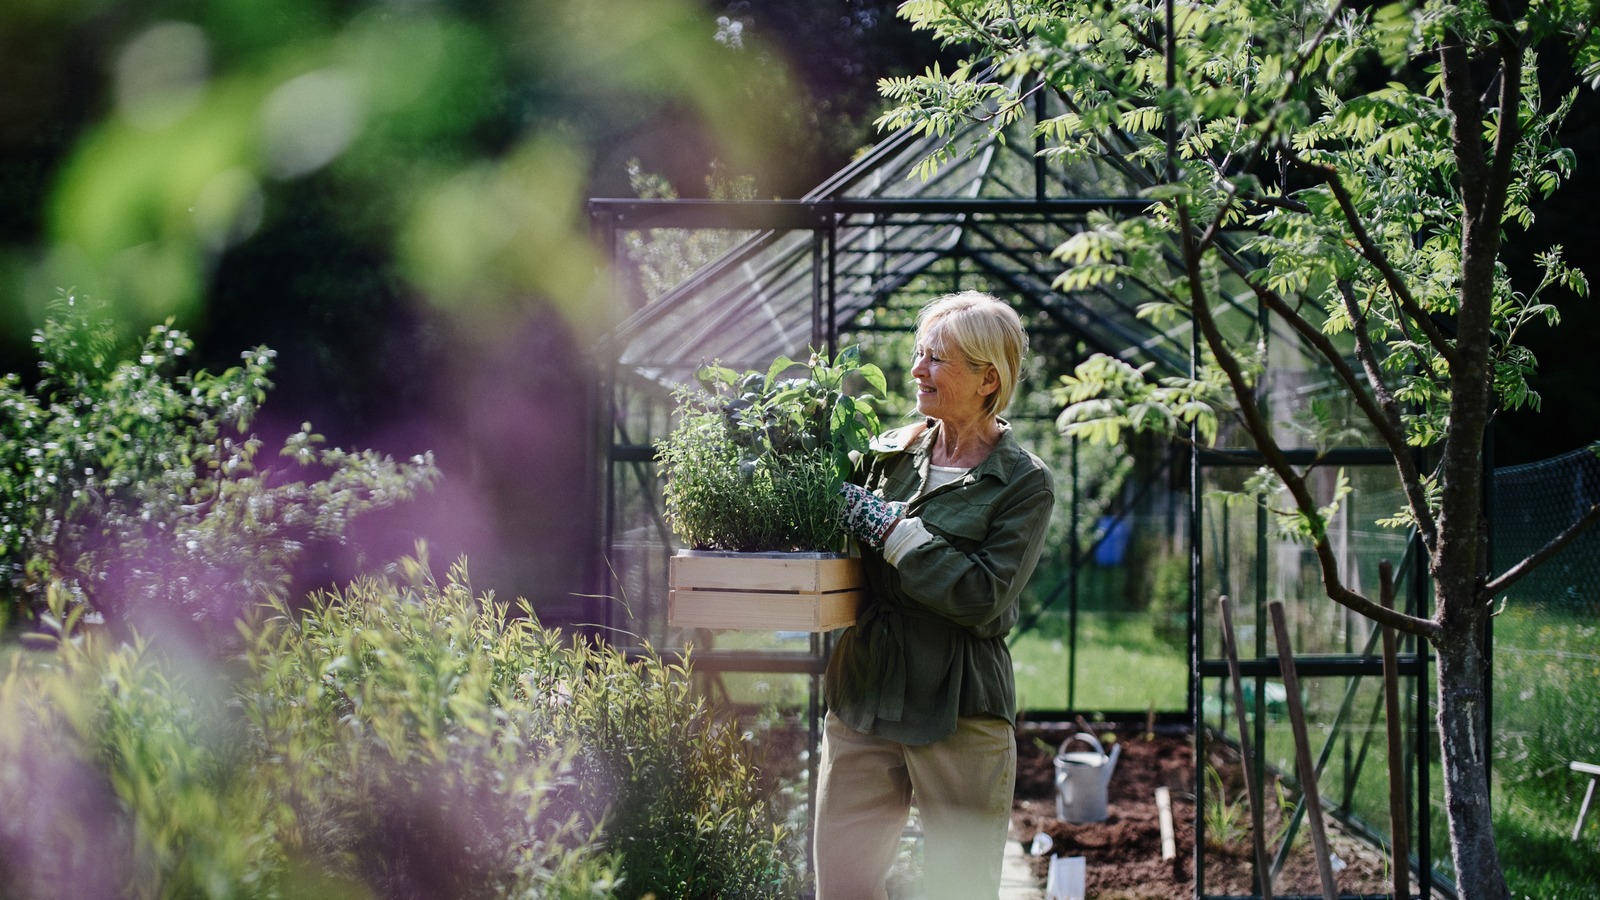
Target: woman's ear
point(991, 381)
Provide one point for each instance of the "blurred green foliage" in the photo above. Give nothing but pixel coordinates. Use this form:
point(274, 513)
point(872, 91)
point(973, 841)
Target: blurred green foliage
point(437, 127)
point(458, 140)
point(132, 484)
point(398, 738)
point(392, 194)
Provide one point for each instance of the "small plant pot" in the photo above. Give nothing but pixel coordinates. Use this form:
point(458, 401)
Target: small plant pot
point(764, 591)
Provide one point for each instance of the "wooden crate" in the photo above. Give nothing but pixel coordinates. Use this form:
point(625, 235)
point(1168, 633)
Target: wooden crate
point(764, 592)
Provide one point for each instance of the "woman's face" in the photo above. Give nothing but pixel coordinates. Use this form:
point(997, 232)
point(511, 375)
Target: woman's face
point(948, 388)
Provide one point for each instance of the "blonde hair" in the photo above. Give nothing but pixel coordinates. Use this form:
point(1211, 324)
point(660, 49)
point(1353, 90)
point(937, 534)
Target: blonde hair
point(986, 330)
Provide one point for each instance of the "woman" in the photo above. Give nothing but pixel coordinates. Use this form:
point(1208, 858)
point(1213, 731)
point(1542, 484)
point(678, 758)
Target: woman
point(950, 514)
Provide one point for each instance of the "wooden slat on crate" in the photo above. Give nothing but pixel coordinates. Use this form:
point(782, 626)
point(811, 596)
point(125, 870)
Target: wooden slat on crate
point(764, 593)
point(761, 611)
point(766, 573)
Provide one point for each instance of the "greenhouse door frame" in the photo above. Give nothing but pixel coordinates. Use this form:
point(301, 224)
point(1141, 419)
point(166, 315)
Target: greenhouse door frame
point(1412, 666)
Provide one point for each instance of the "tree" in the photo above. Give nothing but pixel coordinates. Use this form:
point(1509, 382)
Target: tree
point(1377, 156)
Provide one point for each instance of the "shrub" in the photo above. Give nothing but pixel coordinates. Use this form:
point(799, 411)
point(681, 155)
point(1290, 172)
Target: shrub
point(134, 485)
point(123, 774)
point(417, 740)
point(684, 807)
point(398, 738)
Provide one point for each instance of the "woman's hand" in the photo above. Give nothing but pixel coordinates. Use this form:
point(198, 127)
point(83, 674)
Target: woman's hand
point(868, 517)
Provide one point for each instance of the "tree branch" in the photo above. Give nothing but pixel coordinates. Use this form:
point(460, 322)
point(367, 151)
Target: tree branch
point(1009, 105)
point(1372, 253)
point(1117, 157)
point(1379, 406)
point(1283, 203)
point(1261, 431)
point(1466, 122)
point(1411, 481)
point(1514, 574)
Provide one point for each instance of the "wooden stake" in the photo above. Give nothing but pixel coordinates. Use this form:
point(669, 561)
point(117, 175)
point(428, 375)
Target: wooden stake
point(1302, 750)
point(1169, 845)
point(1399, 823)
point(1258, 825)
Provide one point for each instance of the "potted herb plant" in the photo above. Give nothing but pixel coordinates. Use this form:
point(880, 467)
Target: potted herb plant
point(753, 470)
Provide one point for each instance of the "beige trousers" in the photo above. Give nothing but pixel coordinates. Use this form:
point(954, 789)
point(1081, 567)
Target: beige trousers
point(962, 787)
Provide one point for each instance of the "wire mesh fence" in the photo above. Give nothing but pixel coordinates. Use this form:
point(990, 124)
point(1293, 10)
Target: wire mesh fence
point(1546, 676)
point(1531, 505)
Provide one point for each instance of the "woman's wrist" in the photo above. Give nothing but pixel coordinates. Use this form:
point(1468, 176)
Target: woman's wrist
point(906, 535)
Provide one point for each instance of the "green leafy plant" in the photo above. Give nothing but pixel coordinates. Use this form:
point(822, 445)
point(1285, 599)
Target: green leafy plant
point(505, 753)
point(133, 483)
point(400, 737)
point(1226, 827)
point(684, 805)
point(1227, 818)
point(756, 459)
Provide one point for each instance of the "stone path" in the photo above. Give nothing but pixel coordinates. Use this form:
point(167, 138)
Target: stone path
point(1016, 878)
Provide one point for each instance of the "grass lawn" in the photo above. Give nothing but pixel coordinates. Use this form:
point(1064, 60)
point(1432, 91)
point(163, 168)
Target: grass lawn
point(1122, 665)
point(1546, 714)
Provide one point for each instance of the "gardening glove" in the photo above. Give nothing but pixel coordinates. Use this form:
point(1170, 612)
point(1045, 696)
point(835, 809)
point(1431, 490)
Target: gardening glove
point(868, 517)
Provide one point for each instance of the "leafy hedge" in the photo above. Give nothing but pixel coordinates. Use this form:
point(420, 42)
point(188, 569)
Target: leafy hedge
point(399, 738)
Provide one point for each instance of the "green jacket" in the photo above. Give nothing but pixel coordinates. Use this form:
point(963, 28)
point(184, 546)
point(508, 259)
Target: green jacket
point(929, 643)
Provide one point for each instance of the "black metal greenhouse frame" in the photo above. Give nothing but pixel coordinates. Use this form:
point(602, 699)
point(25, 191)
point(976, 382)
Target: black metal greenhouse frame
point(827, 213)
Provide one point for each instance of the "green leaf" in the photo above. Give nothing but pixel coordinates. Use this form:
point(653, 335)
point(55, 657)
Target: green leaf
point(778, 367)
point(875, 378)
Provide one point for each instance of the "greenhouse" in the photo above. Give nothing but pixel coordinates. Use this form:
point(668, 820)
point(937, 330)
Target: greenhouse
point(511, 450)
point(1136, 534)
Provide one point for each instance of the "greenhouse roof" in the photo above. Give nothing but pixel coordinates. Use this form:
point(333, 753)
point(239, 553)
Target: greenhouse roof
point(798, 272)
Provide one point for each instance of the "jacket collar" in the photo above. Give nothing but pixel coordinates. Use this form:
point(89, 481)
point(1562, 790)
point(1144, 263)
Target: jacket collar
point(919, 439)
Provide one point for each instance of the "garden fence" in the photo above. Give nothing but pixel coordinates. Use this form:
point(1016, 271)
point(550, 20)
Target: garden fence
point(1546, 638)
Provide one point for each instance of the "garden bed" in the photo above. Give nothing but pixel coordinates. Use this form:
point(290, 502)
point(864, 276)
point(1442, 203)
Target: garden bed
point(1123, 853)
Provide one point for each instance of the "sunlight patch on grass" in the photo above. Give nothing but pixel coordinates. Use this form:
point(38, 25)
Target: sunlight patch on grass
point(1122, 665)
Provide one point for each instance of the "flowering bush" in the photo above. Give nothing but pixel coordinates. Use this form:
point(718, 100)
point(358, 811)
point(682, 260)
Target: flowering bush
point(131, 481)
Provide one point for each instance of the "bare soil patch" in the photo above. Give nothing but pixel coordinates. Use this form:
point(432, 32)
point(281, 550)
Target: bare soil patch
point(1123, 853)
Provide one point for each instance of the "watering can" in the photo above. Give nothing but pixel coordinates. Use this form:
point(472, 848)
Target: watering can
point(1081, 780)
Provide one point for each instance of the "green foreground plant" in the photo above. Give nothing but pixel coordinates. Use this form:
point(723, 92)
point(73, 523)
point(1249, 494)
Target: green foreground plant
point(756, 459)
point(400, 738)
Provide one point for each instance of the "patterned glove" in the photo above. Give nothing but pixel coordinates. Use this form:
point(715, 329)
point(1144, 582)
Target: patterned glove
point(867, 517)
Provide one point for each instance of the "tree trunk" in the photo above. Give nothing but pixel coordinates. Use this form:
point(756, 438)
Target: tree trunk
point(1462, 738)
